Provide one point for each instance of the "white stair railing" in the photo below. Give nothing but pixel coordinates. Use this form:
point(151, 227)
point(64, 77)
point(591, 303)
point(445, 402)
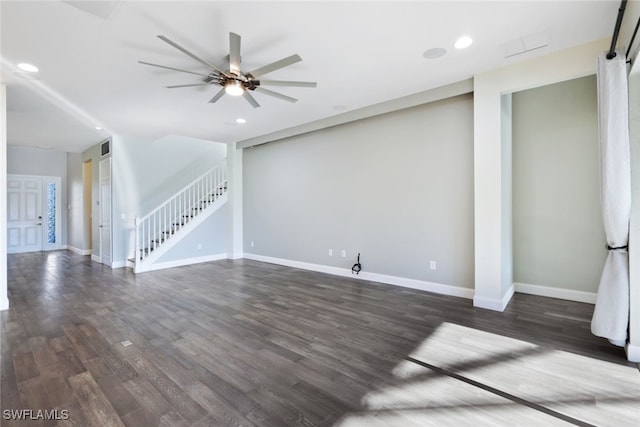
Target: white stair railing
point(155, 228)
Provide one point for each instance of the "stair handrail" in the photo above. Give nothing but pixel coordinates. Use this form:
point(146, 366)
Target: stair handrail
point(177, 210)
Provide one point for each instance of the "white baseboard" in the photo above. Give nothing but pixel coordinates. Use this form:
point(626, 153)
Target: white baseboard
point(495, 304)
point(546, 291)
point(95, 258)
point(79, 251)
point(422, 285)
point(4, 304)
point(182, 262)
point(119, 264)
point(633, 352)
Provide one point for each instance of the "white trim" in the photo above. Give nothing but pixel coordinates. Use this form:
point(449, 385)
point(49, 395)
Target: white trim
point(78, 251)
point(183, 262)
point(422, 285)
point(95, 258)
point(118, 264)
point(494, 304)
point(546, 291)
point(4, 304)
point(633, 352)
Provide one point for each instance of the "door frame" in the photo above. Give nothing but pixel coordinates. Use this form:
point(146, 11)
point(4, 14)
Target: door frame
point(44, 180)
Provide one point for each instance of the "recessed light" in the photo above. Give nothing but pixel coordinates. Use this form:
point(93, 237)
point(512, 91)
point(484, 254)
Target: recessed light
point(28, 67)
point(434, 53)
point(241, 121)
point(463, 42)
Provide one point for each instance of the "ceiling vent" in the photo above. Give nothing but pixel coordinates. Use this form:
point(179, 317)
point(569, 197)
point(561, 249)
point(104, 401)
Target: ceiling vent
point(102, 9)
point(525, 44)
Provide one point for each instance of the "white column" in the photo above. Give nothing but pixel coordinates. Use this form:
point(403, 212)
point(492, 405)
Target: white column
point(4, 300)
point(492, 203)
point(234, 201)
point(492, 160)
point(633, 347)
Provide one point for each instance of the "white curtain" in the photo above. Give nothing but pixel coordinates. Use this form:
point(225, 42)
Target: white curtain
point(611, 314)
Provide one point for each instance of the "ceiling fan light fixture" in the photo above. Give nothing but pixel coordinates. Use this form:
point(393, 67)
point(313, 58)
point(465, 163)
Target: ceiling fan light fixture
point(234, 88)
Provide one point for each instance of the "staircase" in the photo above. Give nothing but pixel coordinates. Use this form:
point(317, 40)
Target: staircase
point(166, 225)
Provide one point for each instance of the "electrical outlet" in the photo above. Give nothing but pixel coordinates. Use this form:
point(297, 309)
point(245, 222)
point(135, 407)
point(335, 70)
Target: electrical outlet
point(344, 253)
point(330, 252)
point(432, 265)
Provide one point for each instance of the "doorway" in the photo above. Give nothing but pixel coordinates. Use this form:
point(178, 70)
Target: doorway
point(104, 180)
point(87, 205)
point(33, 213)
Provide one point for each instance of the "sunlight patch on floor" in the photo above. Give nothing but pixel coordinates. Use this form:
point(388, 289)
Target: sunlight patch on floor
point(561, 383)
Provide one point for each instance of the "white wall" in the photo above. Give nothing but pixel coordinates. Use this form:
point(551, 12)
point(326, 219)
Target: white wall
point(506, 114)
point(398, 188)
point(628, 25)
point(4, 299)
point(633, 348)
point(559, 239)
point(42, 162)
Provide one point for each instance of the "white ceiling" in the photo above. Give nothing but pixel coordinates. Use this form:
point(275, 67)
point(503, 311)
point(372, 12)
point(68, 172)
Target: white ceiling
point(360, 53)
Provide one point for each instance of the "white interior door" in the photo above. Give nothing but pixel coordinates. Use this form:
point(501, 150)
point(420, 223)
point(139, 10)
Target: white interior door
point(104, 173)
point(24, 214)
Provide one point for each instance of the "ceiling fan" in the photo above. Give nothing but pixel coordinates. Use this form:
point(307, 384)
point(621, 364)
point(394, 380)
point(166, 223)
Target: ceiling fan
point(234, 81)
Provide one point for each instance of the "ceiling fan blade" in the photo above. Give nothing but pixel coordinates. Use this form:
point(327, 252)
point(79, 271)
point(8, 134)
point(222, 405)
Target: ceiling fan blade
point(287, 83)
point(217, 96)
point(189, 85)
point(250, 99)
point(275, 94)
point(171, 68)
point(186, 52)
point(276, 65)
point(234, 53)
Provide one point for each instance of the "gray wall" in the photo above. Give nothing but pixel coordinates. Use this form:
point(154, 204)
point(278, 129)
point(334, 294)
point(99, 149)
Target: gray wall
point(557, 224)
point(397, 187)
point(209, 238)
point(146, 173)
point(42, 162)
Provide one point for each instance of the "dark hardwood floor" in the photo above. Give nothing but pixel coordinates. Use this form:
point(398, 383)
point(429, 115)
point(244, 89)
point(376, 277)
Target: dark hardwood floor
point(243, 343)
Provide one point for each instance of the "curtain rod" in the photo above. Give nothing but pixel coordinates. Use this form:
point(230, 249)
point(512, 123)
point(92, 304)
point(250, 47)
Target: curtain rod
point(616, 31)
point(633, 38)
